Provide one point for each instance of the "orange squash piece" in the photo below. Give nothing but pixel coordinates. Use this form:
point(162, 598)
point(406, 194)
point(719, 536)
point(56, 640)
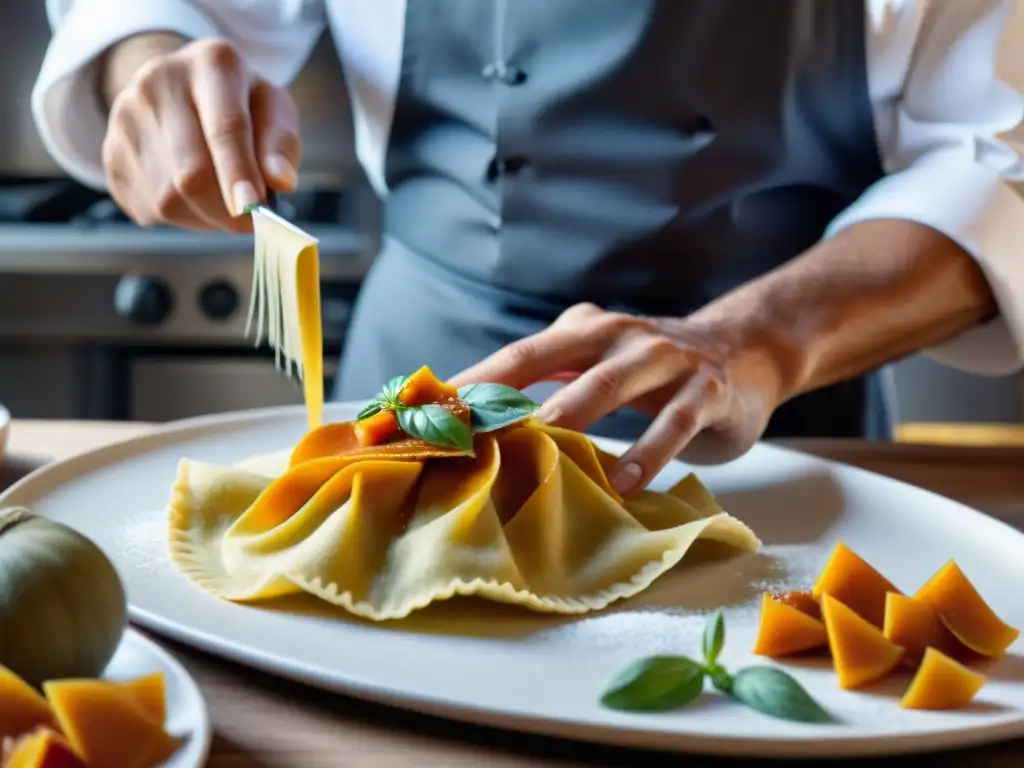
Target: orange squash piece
point(22, 708)
point(860, 652)
point(339, 440)
point(43, 748)
point(966, 614)
point(151, 693)
point(941, 683)
point(423, 388)
point(802, 601)
point(853, 582)
point(107, 725)
point(784, 630)
point(916, 626)
point(378, 429)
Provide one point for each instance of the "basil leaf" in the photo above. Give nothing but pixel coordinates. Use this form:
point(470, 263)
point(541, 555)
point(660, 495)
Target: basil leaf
point(772, 692)
point(493, 406)
point(436, 425)
point(657, 683)
point(394, 388)
point(720, 678)
point(714, 637)
point(370, 410)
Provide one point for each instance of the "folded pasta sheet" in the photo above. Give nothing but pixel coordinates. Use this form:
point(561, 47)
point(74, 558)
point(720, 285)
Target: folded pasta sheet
point(528, 517)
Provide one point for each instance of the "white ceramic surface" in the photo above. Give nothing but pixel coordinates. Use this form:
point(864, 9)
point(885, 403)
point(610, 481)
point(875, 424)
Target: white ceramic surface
point(186, 711)
point(503, 666)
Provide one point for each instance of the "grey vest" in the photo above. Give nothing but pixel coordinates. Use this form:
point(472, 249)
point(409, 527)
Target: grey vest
point(644, 155)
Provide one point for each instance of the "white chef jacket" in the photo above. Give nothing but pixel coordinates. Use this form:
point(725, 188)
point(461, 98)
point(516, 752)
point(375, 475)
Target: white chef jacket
point(941, 112)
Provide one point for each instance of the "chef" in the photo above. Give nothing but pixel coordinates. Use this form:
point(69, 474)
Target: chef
point(711, 220)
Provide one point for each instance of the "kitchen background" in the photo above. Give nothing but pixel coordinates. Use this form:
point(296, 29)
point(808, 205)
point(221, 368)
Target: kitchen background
point(99, 319)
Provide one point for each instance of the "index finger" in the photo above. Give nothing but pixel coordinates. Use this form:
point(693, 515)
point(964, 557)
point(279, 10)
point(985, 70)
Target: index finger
point(543, 356)
point(221, 94)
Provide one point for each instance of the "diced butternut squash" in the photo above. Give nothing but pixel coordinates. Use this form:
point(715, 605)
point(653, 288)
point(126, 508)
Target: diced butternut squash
point(21, 706)
point(43, 748)
point(853, 582)
point(377, 429)
point(107, 725)
point(916, 626)
point(151, 692)
point(784, 630)
point(941, 683)
point(860, 652)
point(966, 614)
point(423, 388)
point(802, 601)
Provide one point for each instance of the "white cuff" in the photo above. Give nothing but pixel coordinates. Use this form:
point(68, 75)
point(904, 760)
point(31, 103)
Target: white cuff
point(65, 104)
point(972, 205)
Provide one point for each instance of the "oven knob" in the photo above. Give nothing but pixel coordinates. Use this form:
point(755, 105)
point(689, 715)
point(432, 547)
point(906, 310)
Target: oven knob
point(218, 300)
point(143, 299)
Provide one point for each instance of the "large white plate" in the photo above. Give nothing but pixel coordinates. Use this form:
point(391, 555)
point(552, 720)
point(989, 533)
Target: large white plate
point(502, 666)
point(187, 716)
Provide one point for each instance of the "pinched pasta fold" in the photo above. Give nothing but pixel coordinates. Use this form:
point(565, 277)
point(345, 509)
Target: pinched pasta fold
point(529, 519)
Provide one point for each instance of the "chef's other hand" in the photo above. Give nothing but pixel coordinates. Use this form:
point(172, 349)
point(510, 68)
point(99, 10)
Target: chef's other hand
point(709, 391)
point(195, 136)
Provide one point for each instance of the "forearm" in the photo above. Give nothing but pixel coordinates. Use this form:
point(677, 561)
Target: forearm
point(120, 62)
point(874, 293)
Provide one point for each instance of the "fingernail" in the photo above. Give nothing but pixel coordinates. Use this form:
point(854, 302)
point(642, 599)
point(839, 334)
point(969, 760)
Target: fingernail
point(243, 194)
point(279, 167)
point(626, 478)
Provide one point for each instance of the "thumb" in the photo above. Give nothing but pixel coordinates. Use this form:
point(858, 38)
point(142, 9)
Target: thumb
point(276, 131)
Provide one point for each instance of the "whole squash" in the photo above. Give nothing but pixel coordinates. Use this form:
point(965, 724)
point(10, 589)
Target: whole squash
point(63, 608)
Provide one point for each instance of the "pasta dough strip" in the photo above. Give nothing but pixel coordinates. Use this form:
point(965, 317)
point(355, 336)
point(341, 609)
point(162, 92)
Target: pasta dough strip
point(285, 304)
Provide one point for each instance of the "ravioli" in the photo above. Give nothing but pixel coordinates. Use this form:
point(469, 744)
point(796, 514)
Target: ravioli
point(528, 518)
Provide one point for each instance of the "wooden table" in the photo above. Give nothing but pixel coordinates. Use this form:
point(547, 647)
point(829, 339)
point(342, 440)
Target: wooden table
point(262, 722)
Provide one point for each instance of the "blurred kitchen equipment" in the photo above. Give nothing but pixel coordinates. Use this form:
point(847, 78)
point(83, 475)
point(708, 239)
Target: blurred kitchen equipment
point(102, 319)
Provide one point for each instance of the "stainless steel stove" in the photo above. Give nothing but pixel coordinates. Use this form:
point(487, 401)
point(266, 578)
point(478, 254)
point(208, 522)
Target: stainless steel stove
point(103, 319)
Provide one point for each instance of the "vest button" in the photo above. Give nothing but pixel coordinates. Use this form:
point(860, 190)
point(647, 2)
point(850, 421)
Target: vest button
point(504, 74)
point(506, 166)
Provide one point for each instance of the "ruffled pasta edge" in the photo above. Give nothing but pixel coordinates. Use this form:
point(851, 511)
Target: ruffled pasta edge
point(185, 557)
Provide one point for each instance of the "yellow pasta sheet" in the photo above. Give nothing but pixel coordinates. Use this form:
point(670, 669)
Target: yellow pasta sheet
point(530, 519)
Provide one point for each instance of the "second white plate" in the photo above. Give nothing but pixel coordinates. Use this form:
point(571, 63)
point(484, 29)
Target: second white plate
point(187, 715)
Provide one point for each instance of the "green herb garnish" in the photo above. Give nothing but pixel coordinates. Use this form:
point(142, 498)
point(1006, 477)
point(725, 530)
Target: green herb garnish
point(436, 425)
point(655, 684)
point(491, 407)
point(661, 683)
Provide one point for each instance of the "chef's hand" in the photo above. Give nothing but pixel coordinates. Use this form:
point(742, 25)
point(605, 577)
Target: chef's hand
point(194, 136)
point(709, 390)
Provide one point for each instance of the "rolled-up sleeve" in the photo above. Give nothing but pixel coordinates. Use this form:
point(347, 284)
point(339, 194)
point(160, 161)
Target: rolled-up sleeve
point(941, 114)
point(274, 38)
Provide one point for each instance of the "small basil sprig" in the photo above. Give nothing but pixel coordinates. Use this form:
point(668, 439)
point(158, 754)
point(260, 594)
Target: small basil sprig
point(660, 683)
point(431, 423)
point(493, 406)
point(387, 400)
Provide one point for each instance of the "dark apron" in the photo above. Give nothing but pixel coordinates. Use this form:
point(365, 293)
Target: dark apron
point(644, 155)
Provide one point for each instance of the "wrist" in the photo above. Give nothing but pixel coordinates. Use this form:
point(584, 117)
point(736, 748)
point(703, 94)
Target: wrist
point(771, 342)
point(118, 65)
point(760, 357)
